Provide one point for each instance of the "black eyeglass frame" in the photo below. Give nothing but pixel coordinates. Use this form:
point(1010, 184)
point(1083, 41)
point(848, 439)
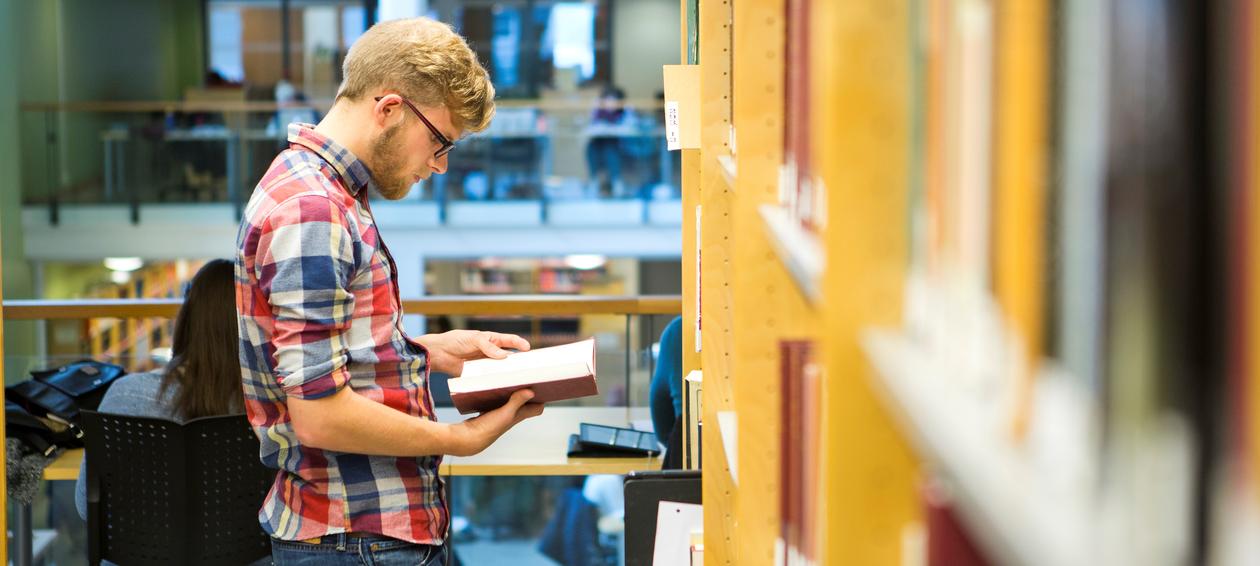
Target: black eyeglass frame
point(447, 145)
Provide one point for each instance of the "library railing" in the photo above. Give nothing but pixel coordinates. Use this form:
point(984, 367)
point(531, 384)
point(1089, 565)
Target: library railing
point(215, 150)
point(136, 333)
point(485, 491)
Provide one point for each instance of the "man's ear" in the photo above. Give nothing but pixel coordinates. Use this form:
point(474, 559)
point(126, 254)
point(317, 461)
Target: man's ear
point(385, 111)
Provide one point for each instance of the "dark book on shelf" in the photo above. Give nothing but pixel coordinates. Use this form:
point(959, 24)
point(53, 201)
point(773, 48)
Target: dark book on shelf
point(799, 442)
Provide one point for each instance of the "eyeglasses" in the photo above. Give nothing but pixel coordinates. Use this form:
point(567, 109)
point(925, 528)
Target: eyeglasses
point(447, 145)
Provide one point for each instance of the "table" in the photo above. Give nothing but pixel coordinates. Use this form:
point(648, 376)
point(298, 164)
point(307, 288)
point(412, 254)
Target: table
point(535, 447)
point(65, 467)
point(538, 446)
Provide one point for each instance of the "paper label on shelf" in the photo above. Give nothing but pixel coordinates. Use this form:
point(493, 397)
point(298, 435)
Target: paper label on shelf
point(728, 428)
point(820, 204)
point(674, 523)
point(682, 89)
point(672, 139)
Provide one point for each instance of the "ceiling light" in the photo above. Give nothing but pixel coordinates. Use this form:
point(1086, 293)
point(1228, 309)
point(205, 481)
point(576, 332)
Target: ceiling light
point(585, 261)
point(123, 263)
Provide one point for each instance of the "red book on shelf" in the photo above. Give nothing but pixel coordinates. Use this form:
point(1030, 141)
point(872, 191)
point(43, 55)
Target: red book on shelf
point(798, 444)
point(554, 374)
point(948, 541)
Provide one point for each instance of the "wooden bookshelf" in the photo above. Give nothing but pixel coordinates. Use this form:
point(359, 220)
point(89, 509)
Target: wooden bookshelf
point(753, 291)
point(760, 286)
point(1020, 190)
point(1251, 184)
point(548, 277)
point(717, 274)
point(4, 489)
point(863, 150)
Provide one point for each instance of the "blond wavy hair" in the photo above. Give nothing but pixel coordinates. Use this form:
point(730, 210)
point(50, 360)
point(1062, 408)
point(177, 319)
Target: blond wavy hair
point(426, 61)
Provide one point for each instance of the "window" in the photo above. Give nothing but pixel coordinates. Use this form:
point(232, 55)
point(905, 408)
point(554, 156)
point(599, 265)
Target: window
point(531, 46)
point(247, 42)
point(225, 43)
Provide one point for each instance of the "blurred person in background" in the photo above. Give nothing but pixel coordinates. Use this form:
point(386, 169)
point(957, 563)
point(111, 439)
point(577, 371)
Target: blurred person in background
point(611, 122)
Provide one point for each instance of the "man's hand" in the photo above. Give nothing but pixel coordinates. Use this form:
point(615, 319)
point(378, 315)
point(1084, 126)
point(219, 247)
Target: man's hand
point(449, 350)
point(479, 432)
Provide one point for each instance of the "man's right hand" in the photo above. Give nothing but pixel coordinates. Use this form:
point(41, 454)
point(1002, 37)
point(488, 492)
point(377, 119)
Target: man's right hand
point(479, 432)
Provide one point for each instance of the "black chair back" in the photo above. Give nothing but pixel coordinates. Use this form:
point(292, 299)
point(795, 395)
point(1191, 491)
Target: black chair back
point(644, 492)
point(159, 492)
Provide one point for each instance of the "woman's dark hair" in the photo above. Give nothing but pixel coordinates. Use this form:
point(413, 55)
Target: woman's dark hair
point(204, 361)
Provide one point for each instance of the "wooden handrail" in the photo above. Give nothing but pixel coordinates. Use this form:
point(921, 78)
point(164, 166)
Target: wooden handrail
point(505, 305)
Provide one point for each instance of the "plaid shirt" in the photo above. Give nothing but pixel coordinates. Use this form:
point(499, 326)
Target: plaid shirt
point(318, 309)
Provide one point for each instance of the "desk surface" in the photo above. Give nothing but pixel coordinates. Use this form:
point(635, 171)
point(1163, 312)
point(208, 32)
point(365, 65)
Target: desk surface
point(535, 447)
point(65, 467)
point(538, 446)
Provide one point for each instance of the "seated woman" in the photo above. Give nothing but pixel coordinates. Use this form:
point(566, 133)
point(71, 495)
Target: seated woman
point(203, 377)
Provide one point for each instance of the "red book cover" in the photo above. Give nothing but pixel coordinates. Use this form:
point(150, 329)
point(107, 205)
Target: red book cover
point(948, 542)
point(794, 363)
point(484, 400)
point(554, 374)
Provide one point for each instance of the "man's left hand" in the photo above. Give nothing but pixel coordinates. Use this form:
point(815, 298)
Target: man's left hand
point(449, 350)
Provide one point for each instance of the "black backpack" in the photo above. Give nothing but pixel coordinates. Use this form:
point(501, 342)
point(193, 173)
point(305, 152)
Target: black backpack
point(36, 435)
point(86, 381)
point(47, 407)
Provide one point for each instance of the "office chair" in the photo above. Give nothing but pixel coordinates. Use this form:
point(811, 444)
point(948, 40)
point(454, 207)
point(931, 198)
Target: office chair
point(159, 492)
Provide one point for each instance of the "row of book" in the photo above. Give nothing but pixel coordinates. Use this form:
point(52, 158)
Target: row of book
point(1096, 222)
point(1117, 249)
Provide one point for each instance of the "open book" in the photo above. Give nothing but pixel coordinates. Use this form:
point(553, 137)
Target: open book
point(554, 374)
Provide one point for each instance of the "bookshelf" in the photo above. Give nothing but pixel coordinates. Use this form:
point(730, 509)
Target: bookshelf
point(806, 235)
point(991, 479)
point(863, 149)
point(1002, 292)
point(763, 275)
point(517, 276)
point(1251, 183)
point(4, 488)
point(131, 342)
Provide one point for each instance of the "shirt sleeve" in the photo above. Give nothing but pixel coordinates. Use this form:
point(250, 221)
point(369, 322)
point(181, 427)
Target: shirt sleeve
point(305, 265)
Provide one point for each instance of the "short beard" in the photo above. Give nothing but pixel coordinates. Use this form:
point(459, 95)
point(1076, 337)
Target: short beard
point(387, 165)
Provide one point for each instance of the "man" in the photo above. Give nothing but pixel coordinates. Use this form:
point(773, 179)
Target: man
point(334, 388)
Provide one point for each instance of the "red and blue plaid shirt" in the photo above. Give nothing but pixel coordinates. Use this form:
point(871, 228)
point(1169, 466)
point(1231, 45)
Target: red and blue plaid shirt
point(317, 299)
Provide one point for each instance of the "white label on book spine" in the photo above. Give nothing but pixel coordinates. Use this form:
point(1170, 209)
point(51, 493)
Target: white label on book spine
point(673, 138)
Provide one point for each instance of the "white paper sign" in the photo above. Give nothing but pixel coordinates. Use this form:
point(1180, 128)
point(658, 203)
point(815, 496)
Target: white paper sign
point(728, 427)
point(674, 523)
point(672, 139)
point(698, 266)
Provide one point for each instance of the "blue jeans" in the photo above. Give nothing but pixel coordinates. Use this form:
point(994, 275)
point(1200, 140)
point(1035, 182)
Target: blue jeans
point(604, 153)
point(340, 550)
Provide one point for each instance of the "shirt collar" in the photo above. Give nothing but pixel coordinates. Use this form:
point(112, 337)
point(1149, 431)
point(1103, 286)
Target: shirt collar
point(354, 173)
